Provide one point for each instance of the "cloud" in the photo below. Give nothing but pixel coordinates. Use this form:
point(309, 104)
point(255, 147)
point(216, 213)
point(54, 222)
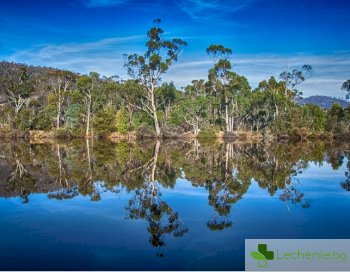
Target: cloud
point(202, 10)
point(105, 56)
point(103, 3)
point(329, 71)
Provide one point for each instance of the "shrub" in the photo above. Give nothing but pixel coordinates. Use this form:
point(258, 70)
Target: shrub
point(208, 132)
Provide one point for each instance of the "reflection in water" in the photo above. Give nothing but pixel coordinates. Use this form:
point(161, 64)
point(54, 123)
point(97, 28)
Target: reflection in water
point(225, 170)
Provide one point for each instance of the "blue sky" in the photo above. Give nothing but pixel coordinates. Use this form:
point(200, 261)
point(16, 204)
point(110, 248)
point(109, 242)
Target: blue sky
point(266, 36)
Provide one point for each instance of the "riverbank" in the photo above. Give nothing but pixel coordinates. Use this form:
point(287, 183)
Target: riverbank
point(40, 135)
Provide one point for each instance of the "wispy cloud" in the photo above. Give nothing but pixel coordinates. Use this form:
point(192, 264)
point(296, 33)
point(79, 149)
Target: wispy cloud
point(330, 71)
point(202, 10)
point(105, 56)
point(103, 3)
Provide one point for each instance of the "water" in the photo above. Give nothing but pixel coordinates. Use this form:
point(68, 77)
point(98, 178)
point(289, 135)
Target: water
point(164, 205)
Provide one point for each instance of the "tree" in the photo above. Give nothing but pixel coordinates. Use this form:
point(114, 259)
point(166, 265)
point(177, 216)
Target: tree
point(148, 68)
point(191, 111)
point(274, 90)
point(346, 87)
point(334, 116)
point(89, 86)
point(166, 96)
point(294, 78)
point(219, 74)
point(196, 88)
point(17, 87)
point(315, 117)
point(60, 81)
point(105, 121)
point(131, 92)
point(122, 121)
point(239, 98)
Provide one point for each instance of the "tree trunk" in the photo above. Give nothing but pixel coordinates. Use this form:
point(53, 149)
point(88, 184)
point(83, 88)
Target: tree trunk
point(88, 115)
point(154, 112)
point(58, 110)
point(227, 123)
point(154, 163)
point(89, 173)
point(276, 111)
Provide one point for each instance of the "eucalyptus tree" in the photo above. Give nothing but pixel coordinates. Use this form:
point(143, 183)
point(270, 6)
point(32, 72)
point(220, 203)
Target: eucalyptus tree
point(275, 91)
point(89, 86)
point(240, 98)
point(148, 68)
point(130, 92)
point(197, 88)
point(192, 112)
point(59, 81)
point(17, 87)
point(166, 97)
point(294, 78)
point(219, 76)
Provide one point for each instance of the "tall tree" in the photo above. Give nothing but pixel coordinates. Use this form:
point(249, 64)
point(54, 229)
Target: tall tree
point(89, 86)
point(219, 75)
point(148, 68)
point(294, 78)
point(60, 81)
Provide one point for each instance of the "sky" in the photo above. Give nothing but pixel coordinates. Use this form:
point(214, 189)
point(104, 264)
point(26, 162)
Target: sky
point(266, 36)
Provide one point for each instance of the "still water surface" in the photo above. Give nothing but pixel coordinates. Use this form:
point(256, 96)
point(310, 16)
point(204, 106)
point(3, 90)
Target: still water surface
point(164, 205)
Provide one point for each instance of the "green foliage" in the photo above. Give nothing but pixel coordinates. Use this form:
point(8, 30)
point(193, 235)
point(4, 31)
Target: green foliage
point(334, 116)
point(209, 132)
point(37, 97)
point(24, 119)
point(62, 133)
point(148, 68)
point(315, 117)
point(105, 121)
point(73, 116)
point(122, 121)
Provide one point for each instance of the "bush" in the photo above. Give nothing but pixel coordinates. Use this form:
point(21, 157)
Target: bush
point(208, 132)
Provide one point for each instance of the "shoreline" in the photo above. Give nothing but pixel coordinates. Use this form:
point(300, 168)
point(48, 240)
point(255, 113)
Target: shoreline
point(39, 135)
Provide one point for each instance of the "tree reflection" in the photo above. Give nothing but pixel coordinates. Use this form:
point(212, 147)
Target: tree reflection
point(293, 195)
point(147, 204)
point(346, 184)
point(145, 170)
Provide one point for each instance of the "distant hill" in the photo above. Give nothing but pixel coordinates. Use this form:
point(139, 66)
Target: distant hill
point(325, 102)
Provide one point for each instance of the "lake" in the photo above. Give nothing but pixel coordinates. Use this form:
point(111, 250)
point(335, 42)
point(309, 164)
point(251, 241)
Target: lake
point(95, 205)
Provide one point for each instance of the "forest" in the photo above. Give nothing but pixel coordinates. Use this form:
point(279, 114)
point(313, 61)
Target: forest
point(66, 104)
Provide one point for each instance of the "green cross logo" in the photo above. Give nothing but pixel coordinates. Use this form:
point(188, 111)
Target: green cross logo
point(262, 255)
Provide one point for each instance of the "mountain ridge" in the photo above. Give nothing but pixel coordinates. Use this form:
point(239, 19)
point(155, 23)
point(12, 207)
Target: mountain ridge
point(323, 101)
